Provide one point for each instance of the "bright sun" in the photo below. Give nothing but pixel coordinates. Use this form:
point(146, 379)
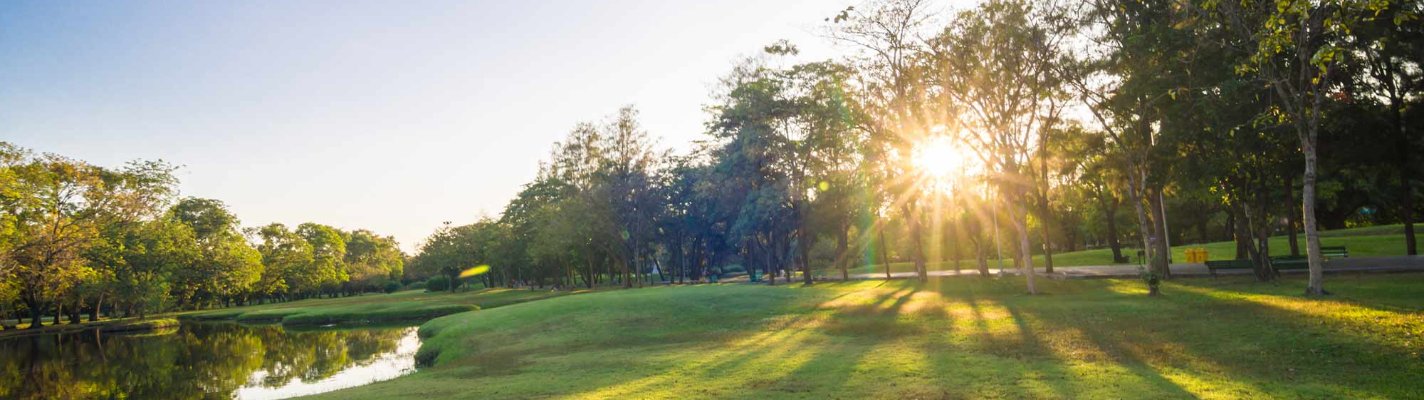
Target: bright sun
point(941, 160)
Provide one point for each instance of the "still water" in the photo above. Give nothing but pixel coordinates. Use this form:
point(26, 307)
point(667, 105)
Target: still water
point(203, 361)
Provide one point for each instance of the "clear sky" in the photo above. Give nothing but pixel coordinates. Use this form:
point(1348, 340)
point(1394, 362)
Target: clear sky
point(386, 115)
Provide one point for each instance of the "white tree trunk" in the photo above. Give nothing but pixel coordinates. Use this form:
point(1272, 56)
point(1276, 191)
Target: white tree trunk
point(1316, 285)
point(1025, 249)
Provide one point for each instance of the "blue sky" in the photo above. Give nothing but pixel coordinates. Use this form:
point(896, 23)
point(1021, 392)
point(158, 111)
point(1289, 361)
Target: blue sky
point(391, 116)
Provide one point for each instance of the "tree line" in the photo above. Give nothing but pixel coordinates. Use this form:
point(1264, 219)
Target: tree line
point(1098, 124)
point(79, 238)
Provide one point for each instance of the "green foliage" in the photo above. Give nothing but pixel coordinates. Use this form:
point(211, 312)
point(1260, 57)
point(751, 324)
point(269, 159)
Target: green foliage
point(438, 283)
point(392, 287)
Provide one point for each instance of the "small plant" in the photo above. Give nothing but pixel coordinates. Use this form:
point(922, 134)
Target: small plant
point(437, 283)
point(1154, 282)
point(392, 287)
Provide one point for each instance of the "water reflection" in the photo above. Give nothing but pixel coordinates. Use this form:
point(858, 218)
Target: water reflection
point(202, 361)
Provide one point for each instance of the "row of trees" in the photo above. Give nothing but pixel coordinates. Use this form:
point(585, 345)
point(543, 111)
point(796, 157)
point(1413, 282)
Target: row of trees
point(1074, 124)
point(75, 237)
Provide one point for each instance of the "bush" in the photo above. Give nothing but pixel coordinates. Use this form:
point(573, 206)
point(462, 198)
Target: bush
point(392, 287)
point(437, 283)
point(416, 285)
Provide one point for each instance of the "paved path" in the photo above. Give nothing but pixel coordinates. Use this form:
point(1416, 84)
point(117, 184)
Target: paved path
point(1342, 265)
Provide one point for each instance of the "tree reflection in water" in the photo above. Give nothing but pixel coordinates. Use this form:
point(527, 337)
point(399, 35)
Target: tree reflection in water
point(197, 361)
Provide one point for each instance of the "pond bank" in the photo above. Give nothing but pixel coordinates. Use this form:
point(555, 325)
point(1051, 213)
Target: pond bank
point(400, 307)
point(126, 325)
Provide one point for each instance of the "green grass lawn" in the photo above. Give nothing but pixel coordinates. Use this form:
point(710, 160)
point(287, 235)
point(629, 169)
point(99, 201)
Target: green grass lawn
point(948, 338)
point(1362, 242)
point(411, 305)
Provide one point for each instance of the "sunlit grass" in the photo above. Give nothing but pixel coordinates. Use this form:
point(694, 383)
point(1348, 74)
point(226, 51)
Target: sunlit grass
point(950, 338)
point(1364, 242)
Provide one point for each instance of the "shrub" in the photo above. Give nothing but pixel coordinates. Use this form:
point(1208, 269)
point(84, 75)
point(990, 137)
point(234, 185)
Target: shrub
point(392, 287)
point(437, 283)
point(416, 285)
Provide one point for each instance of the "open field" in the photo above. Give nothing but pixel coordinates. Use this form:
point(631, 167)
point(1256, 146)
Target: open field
point(948, 338)
point(411, 305)
point(1385, 240)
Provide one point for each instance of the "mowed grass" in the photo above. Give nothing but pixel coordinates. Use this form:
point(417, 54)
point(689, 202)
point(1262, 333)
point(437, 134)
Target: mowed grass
point(412, 305)
point(948, 338)
point(1361, 242)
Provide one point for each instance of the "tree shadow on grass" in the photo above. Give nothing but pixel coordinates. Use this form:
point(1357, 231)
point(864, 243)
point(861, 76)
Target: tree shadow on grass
point(1250, 349)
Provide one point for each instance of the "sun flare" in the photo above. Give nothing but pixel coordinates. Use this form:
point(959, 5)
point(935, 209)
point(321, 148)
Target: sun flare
point(941, 160)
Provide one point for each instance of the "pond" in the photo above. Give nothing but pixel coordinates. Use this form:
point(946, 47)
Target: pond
point(203, 360)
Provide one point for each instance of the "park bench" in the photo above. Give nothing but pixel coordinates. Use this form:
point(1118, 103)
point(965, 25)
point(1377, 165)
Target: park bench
point(1213, 265)
point(1282, 262)
point(1334, 252)
point(1290, 262)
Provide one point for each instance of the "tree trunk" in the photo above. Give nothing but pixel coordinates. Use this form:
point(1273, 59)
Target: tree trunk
point(842, 244)
point(1316, 285)
point(917, 244)
point(1144, 225)
point(1160, 253)
point(884, 252)
point(1046, 230)
point(1025, 250)
point(1407, 212)
point(1406, 169)
point(983, 261)
point(954, 245)
point(1240, 233)
point(1113, 242)
point(1291, 218)
point(803, 245)
point(36, 314)
point(75, 313)
point(94, 312)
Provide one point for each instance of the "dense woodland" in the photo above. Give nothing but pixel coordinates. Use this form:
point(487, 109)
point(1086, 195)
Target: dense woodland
point(1022, 127)
point(1067, 125)
point(79, 238)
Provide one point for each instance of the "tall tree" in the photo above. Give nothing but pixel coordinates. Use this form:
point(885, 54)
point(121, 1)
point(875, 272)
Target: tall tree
point(1298, 48)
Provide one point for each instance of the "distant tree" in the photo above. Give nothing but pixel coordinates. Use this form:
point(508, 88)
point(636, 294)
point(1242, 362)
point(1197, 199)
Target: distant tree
point(372, 259)
point(227, 266)
point(288, 261)
point(328, 255)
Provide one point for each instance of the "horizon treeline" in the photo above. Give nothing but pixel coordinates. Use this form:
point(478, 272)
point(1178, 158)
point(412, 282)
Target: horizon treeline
point(79, 238)
point(1098, 124)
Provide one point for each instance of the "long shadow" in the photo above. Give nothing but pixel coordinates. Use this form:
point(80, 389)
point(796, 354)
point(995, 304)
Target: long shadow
point(788, 339)
point(1277, 340)
point(1164, 387)
point(856, 331)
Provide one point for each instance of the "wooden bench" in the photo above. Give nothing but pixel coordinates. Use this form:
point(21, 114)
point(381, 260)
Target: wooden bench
point(1290, 262)
point(1213, 265)
point(1297, 262)
point(1334, 252)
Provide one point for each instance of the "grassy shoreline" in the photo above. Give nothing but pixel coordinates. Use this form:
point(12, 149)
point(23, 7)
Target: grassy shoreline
point(120, 325)
point(407, 306)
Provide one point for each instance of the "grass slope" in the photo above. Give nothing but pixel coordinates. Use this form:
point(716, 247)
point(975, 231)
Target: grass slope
point(1362, 242)
point(950, 338)
point(412, 305)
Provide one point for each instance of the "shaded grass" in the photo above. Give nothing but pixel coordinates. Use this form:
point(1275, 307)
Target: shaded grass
point(372, 308)
point(947, 338)
point(1361, 242)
